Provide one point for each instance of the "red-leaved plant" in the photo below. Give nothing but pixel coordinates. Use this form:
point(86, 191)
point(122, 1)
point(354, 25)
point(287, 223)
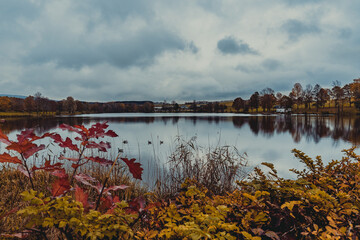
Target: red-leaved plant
point(88, 138)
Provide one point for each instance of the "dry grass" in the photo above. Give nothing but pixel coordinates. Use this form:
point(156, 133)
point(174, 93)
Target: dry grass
point(215, 168)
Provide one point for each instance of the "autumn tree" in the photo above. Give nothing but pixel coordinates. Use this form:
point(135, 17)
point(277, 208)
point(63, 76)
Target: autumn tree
point(70, 105)
point(29, 104)
point(38, 98)
point(255, 101)
point(148, 107)
point(355, 91)
point(238, 104)
point(347, 93)
point(17, 104)
point(286, 102)
point(267, 98)
point(79, 106)
point(323, 96)
point(5, 104)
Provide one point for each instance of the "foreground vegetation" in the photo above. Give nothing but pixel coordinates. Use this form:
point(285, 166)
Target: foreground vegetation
point(210, 197)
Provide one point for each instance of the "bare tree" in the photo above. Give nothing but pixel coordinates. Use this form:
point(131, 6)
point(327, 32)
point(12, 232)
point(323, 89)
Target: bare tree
point(308, 95)
point(297, 93)
point(316, 95)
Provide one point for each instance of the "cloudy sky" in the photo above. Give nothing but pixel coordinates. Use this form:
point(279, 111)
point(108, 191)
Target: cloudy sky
point(175, 50)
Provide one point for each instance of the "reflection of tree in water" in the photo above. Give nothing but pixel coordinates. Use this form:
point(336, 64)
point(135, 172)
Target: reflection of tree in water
point(175, 120)
point(355, 132)
point(42, 125)
point(267, 125)
point(313, 128)
point(238, 121)
point(254, 124)
point(321, 129)
point(338, 132)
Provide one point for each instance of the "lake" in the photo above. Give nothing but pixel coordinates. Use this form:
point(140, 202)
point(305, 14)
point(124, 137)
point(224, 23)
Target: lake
point(151, 138)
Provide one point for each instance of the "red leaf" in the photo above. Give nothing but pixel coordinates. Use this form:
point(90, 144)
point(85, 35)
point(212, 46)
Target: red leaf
point(134, 168)
point(60, 173)
point(27, 135)
point(115, 188)
point(34, 149)
point(102, 146)
point(49, 167)
point(97, 130)
point(100, 160)
point(6, 158)
point(111, 133)
point(70, 159)
point(60, 186)
point(77, 165)
point(23, 171)
point(21, 147)
point(70, 128)
point(106, 203)
point(65, 144)
point(4, 138)
point(138, 204)
point(86, 179)
point(81, 196)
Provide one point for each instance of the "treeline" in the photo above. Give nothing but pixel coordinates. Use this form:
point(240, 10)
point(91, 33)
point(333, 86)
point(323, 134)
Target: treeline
point(40, 104)
point(308, 97)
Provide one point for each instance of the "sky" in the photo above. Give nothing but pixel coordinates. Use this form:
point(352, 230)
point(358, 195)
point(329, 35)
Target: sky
point(184, 50)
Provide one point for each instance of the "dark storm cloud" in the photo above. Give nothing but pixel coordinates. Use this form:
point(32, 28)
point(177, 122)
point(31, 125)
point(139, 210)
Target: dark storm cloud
point(229, 45)
point(296, 29)
point(139, 50)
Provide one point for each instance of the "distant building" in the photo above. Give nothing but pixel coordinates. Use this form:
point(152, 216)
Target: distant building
point(280, 109)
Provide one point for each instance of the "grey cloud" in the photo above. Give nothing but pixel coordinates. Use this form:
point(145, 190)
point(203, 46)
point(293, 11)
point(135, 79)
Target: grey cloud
point(229, 45)
point(296, 29)
point(271, 64)
point(140, 50)
point(11, 11)
point(266, 65)
point(248, 69)
point(345, 33)
point(192, 47)
point(301, 2)
point(112, 9)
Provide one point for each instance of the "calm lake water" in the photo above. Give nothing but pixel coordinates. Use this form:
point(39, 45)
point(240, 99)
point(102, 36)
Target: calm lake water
point(151, 137)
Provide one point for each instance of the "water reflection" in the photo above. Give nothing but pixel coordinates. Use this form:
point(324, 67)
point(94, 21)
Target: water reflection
point(310, 128)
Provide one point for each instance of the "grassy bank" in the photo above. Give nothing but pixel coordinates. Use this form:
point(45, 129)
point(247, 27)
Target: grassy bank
point(26, 114)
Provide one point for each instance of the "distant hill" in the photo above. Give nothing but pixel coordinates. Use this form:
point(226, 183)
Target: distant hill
point(15, 96)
